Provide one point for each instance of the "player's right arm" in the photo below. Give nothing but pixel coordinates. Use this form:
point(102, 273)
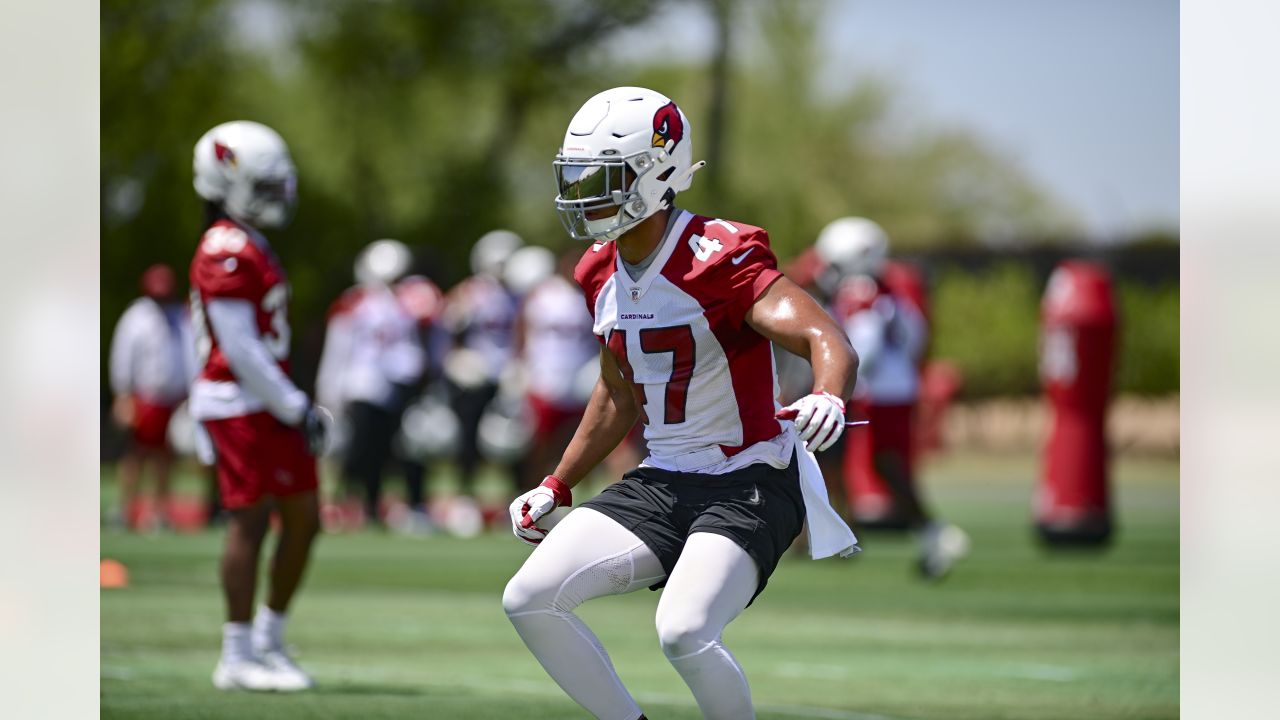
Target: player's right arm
point(610, 415)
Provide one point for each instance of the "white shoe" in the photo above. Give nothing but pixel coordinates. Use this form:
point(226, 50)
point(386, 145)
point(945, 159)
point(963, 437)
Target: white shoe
point(244, 675)
point(288, 676)
point(941, 545)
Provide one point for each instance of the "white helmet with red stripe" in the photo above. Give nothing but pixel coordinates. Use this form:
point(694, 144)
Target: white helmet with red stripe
point(627, 152)
point(245, 168)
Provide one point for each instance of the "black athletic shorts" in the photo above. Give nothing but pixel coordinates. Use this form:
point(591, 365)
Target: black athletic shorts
point(758, 507)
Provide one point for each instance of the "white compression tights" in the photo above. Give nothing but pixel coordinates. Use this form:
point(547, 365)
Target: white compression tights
point(589, 555)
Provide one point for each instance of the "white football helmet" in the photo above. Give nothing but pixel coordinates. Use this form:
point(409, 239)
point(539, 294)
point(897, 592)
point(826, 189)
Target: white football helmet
point(491, 251)
point(629, 150)
point(853, 246)
point(382, 262)
point(527, 268)
point(245, 167)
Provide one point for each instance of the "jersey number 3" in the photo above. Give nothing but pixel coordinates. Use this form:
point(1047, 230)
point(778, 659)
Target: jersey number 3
point(275, 303)
point(678, 341)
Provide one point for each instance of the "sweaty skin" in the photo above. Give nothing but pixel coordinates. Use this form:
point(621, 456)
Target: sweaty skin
point(789, 316)
point(785, 314)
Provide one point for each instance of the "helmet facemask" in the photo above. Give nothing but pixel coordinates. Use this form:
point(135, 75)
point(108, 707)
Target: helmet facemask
point(590, 185)
point(267, 202)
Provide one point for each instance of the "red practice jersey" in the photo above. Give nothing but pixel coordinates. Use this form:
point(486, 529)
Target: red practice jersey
point(234, 262)
point(703, 378)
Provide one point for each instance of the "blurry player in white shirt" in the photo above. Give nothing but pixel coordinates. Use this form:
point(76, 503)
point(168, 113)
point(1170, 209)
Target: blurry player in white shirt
point(890, 335)
point(149, 370)
point(685, 308)
point(265, 431)
point(373, 359)
point(480, 313)
point(554, 342)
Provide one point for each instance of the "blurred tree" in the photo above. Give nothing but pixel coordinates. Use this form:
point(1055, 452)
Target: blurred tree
point(405, 119)
point(989, 323)
point(165, 72)
point(794, 155)
point(1148, 360)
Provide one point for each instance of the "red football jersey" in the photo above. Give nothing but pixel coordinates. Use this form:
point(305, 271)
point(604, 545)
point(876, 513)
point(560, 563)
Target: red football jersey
point(233, 261)
point(703, 378)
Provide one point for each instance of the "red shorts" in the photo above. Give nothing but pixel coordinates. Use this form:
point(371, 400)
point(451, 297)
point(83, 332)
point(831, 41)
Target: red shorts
point(259, 455)
point(150, 424)
point(549, 417)
point(891, 430)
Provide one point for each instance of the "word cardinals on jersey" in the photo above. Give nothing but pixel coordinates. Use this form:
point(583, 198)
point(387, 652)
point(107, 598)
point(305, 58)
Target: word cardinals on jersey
point(703, 378)
point(234, 262)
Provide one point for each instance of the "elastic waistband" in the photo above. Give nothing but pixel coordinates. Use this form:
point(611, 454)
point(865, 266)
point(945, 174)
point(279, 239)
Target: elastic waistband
point(740, 476)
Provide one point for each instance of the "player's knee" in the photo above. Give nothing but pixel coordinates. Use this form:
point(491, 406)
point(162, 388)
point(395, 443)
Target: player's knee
point(682, 635)
point(522, 595)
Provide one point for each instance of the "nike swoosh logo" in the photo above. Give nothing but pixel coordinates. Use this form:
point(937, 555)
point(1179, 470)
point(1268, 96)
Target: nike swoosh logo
point(738, 260)
point(755, 496)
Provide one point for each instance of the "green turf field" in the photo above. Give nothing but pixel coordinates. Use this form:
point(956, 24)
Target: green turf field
point(413, 628)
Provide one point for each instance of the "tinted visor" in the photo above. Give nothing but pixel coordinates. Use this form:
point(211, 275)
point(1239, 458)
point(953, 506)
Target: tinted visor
point(592, 181)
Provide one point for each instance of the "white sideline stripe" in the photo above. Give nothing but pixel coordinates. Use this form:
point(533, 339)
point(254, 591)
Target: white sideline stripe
point(531, 687)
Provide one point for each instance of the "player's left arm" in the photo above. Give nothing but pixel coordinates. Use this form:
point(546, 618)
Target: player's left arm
point(788, 316)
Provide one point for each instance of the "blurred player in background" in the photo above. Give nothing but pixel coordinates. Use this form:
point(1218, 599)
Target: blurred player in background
point(424, 302)
point(685, 307)
point(265, 431)
point(795, 376)
point(372, 364)
point(149, 371)
point(890, 335)
point(480, 313)
point(556, 346)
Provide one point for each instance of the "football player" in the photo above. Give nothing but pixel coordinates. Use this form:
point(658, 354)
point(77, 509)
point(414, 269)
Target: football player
point(554, 342)
point(480, 313)
point(685, 308)
point(265, 431)
point(373, 360)
point(890, 333)
point(149, 377)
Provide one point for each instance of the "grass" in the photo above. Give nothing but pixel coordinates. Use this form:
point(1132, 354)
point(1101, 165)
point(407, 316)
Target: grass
point(399, 627)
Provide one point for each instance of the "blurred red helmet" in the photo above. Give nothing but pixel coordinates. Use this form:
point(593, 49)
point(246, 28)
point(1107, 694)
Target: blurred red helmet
point(158, 281)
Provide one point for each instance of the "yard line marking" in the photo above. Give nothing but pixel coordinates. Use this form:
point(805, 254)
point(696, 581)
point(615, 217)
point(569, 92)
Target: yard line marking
point(821, 672)
point(816, 712)
point(116, 673)
point(1038, 671)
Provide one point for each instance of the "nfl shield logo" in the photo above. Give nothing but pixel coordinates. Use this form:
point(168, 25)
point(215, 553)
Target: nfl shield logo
point(635, 294)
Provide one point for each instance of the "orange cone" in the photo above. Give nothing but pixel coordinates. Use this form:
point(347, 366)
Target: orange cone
point(112, 574)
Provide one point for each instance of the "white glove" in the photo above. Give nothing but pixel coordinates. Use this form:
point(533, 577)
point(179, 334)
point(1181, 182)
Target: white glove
point(527, 509)
point(819, 419)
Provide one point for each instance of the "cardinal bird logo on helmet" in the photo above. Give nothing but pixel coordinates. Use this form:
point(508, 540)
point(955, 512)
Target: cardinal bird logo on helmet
point(668, 128)
point(224, 154)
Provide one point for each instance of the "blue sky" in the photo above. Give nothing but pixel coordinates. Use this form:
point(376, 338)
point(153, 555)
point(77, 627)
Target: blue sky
point(1081, 94)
